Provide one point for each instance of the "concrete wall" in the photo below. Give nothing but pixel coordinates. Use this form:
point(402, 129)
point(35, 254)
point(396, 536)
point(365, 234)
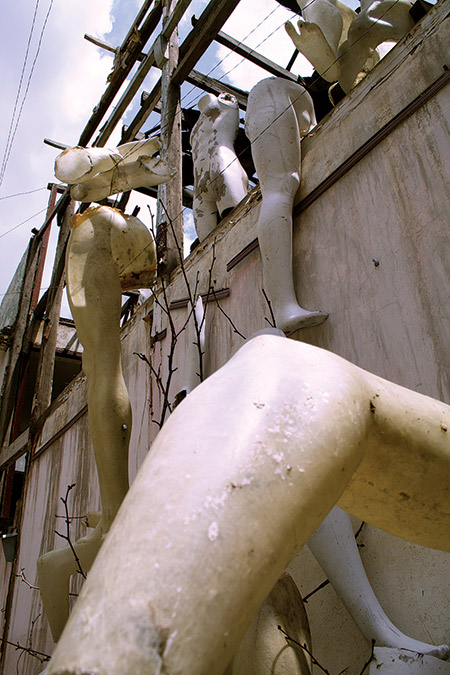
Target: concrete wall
point(392, 319)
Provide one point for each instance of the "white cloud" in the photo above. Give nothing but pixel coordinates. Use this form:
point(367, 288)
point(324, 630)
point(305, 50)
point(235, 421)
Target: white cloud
point(68, 80)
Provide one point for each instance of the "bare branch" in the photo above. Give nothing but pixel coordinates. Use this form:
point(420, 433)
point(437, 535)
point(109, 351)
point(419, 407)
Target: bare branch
point(66, 536)
point(319, 588)
point(25, 580)
point(189, 291)
point(271, 323)
point(305, 648)
point(226, 315)
point(32, 652)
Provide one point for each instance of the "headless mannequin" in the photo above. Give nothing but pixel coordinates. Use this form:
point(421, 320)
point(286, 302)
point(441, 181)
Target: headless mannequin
point(284, 473)
point(220, 182)
point(340, 43)
point(380, 21)
point(107, 253)
point(325, 27)
point(279, 113)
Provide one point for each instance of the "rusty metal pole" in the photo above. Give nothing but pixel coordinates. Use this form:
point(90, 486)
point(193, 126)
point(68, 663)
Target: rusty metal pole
point(170, 204)
point(44, 377)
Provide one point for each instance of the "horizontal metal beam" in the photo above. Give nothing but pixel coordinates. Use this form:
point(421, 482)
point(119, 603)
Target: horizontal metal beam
point(213, 86)
point(254, 57)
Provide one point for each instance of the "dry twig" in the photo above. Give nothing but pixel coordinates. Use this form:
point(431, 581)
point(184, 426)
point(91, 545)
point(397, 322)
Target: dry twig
point(290, 640)
point(66, 536)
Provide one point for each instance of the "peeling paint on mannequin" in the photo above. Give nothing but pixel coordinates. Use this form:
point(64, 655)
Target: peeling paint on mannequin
point(220, 182)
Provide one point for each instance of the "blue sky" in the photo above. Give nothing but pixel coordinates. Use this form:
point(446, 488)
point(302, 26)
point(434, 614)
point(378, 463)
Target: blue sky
point(68, 80)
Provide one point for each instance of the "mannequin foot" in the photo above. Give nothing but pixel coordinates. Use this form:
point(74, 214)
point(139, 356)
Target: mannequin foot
point(312, 43)
point(294, 319)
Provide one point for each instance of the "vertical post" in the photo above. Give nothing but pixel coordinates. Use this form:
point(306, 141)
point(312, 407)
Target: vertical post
point(43, 249)
point(37, 270)
point(44, 377)
point(170, 217)
point(17, 346)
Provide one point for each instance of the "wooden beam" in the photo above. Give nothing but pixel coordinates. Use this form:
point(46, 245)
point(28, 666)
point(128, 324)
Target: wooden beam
point(46, 363)
point(139, 77)
point(11, 378)
point(9, 453)
point(131, 51)
point(213, 86)
point(100, 43)
point(145, 111)
point(170, 200)
point(55, 144)
point(43, 250)
point(196, 43)
point(139, 19)
point(204, 31)
point(254, 57)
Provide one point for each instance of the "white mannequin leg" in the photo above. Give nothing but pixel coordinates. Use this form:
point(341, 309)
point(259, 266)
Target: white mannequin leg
point(76, 165)
point(243, 485)
point(278, 112)
point(334, 547)
point(106, 251)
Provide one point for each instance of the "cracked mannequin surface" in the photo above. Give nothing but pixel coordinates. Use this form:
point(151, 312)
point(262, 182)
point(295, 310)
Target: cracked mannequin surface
point(108, 252)
point(97, 173)
point(220, 182)
point(340, 43)
point(318, 431)
point(279, 113)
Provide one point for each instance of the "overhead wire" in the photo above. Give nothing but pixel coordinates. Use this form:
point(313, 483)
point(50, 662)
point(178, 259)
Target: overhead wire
point(20, 194)
point(22, 223)
point(8, 153)
point(33, 22)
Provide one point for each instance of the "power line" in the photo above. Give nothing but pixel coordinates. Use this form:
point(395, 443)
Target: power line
point(232, 51)
point(19, 87)
point(6, 158)
point(20, 194)
point(23, 222)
